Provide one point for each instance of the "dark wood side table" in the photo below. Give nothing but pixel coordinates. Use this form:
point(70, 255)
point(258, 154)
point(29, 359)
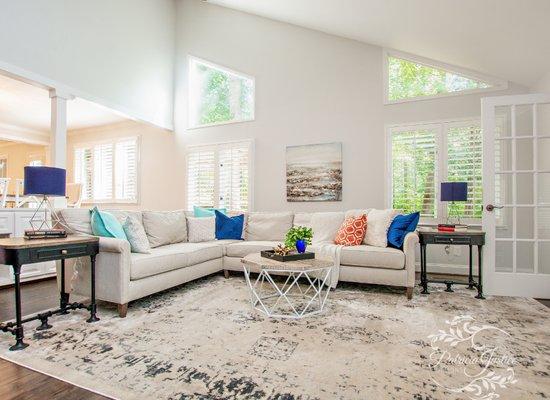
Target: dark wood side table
point(468, 238)
point(19, 251)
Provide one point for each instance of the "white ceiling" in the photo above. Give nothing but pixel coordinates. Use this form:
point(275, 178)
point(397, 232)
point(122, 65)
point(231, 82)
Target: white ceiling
point(29, 107)
point(508, 39)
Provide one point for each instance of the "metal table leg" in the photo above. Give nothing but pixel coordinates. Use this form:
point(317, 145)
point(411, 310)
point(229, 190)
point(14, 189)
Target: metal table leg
point(93, 306)
point(480, 268)
point(19, 334)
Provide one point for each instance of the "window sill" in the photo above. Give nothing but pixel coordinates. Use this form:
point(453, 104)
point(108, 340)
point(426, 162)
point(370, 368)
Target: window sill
point(92, 202)
point(192, 128)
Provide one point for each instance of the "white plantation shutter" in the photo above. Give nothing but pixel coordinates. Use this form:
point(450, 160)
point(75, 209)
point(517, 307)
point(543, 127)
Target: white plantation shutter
point(233, 181)
point(413, 170)
point(201, 167)
point(108, 171)
point(218, 176)
point(464, 155)
point(83, 172)
point(126, 170)
point(103, 171)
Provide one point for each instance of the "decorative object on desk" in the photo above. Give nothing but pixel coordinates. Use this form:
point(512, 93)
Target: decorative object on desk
point(400, 226)
point(314, 172)
point(46, 234)
point(46, 182)
point(454, 191)
point(352, 231)
point(452, 228)
point(299, 237)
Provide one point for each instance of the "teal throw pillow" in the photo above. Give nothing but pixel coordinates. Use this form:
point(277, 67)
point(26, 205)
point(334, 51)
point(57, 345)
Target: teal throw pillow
point(201, 212)
point(105, 224)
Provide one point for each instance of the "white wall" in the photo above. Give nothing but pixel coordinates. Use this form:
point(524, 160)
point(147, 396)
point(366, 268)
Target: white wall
point(543, 85)
point(116, 53)
point(310, 88)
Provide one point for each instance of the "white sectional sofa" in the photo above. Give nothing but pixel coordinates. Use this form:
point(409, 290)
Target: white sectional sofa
point(123, 276)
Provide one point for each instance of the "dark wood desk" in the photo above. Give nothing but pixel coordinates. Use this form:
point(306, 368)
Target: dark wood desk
point(19, 251)
point(468, 238)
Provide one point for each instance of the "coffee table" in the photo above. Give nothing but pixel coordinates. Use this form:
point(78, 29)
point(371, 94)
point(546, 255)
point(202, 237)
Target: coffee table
point(302, 291)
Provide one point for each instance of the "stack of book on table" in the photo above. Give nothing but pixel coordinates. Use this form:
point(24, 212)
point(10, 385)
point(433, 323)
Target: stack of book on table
point(45, 234)
point(452, 228)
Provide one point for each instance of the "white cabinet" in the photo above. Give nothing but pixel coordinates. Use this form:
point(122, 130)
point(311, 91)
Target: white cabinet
point(15, 222)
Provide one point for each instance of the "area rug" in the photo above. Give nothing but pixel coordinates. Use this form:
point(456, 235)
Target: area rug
point(202, 340)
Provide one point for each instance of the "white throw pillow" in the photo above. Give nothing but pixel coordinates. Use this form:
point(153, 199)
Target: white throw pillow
point(378, 223)
point(165, 227)
point(201, 229)
point(303, 219)
point(135, 233)
point(268, 226)
point(325, 226)
point(357, 212)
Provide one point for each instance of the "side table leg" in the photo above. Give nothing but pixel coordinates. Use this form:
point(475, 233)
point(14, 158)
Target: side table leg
point(93, 306)
point(471, 283)
point(480, 278)
point(63, 297)
point(423, 269)
point(19, 335)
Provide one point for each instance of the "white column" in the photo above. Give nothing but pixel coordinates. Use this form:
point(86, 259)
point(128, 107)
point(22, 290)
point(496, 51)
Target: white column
point(58, 136)
point(58, 133)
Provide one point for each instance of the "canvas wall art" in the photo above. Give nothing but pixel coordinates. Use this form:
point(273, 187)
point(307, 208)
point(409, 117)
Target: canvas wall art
point(314, 172)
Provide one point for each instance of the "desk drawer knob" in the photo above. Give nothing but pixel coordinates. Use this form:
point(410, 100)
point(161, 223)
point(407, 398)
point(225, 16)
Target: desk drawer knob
point(452, 240)
point(63, 251)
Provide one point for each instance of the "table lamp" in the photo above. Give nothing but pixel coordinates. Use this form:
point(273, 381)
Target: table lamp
point(45, 182)
point(454, 191)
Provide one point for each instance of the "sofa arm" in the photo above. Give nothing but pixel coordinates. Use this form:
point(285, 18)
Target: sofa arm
point(113, 245)
point(409, 248)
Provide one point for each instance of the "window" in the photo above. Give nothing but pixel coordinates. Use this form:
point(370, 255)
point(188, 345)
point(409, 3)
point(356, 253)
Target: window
point(36, 160)
point(218, 95)
point(219, 176)
point(108, 171)
point(410, 78)
point(423, 156)
point(3, 167)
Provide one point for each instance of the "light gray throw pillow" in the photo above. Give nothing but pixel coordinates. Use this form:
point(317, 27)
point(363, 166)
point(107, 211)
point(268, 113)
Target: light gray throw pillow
point(135, 233)
point(201, 229)
point(165, 227)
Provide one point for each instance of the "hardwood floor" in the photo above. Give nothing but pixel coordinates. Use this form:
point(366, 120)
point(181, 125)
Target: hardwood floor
point(18, 382)
point(21, 383)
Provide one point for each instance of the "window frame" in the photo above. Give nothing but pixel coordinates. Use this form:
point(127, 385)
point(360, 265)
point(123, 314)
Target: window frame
point(91, 145)
point(497, 84)
point(190, 59)
point(441, 163)
point(217, 146)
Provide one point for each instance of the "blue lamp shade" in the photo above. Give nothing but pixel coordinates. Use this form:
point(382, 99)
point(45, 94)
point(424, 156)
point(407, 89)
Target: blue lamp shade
point(45, 181)
point(454, 191)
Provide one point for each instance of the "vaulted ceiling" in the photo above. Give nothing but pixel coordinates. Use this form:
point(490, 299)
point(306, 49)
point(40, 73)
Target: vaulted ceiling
point(508, 39)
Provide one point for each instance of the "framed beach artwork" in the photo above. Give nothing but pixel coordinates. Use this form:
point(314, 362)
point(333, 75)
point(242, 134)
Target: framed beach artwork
point(314, 172)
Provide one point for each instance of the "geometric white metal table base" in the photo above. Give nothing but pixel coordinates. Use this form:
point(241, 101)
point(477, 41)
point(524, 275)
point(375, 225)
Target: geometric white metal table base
point(303, 293)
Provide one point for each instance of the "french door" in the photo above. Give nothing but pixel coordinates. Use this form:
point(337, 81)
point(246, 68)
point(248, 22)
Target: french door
point(516, 195)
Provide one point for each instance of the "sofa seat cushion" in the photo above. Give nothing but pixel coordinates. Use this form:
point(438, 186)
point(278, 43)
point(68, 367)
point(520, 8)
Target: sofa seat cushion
point(170, 257)
point(372, 256)
point(242, 249)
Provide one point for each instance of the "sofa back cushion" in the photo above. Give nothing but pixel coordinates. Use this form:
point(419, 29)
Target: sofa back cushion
point(325, 226)
point(122, 215)
point(201, 229)
point(268, 226)
point(76, 220)
point(303, 219)
point(165, 227)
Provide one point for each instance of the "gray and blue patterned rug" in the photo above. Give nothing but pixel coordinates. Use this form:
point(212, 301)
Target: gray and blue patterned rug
point(203, 341)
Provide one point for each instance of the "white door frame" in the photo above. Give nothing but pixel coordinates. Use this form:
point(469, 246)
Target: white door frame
point(496, 282)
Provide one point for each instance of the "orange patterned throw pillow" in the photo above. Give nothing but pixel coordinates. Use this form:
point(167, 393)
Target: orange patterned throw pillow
point(352, 231)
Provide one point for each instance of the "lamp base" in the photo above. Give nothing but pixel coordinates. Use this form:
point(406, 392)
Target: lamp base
point(44, 217)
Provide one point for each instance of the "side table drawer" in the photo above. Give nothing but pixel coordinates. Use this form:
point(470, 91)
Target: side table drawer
point(445, 239)
point(57, 253)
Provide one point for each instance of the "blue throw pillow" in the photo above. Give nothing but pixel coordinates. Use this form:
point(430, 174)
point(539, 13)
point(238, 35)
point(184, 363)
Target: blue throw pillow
point(201, 212)
point(400, 226)
point(229, 227)
point(105, 224)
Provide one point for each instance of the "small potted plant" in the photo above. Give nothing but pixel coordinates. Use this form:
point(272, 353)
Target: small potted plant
point(299, 237)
